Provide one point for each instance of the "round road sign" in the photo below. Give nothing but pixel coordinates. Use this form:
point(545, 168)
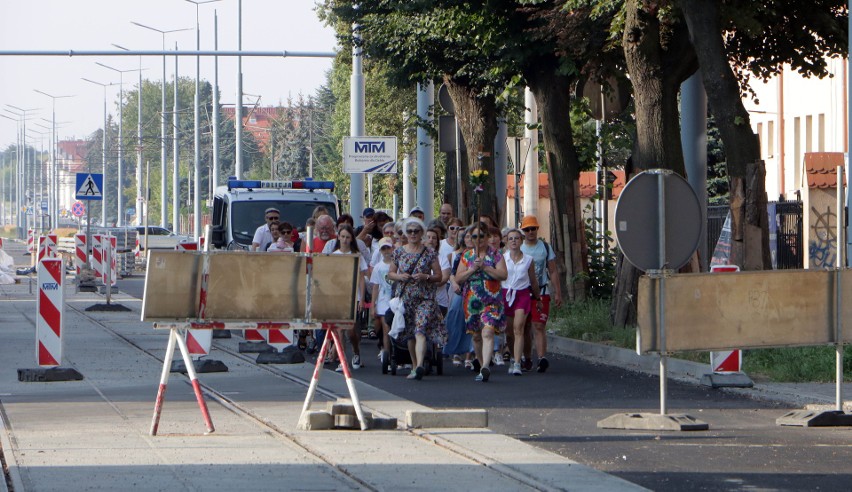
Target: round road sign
point(78, 209)
point(637, 220)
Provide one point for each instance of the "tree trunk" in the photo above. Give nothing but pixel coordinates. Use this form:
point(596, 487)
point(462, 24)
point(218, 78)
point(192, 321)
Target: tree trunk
point(477, 117)
point(749, 227)
point(659, 57)
point(552, 95)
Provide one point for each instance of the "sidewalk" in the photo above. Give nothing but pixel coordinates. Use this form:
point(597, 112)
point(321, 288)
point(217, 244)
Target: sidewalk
point(93, 434)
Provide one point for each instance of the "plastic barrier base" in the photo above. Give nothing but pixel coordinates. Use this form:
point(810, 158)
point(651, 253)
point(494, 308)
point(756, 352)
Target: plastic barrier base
point(48, 375)
point(732, 380)
point(255, 347)
point(107, 307)
point(201, 366)
point(290, 355)
point(221, 333)
point(652, 421)
point(812, 418)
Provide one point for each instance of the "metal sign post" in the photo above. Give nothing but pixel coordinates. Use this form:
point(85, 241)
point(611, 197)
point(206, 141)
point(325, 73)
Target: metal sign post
point(658, 222)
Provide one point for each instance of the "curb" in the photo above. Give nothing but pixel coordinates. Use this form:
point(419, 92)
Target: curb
point(681, 370)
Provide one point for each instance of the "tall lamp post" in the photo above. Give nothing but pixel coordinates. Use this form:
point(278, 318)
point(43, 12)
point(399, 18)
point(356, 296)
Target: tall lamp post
point(163, 124)
point(119, 220)
point(196, 211)
point(104, 150)
point(17, 205)
point(26, 184)
point(54, 169)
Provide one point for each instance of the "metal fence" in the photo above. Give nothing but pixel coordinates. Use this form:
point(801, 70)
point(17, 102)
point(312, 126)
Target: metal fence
point(786, 245)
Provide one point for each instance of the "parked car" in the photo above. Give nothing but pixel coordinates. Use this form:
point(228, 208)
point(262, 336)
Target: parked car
point(157, 238)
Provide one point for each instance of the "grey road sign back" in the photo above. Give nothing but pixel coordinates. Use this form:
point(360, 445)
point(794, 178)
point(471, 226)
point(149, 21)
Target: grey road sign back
point(637, 220)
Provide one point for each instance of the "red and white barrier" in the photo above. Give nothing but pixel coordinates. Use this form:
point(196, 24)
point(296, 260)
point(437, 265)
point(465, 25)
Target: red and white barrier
point(279, 339)
point(98, 256)
point(50, 312)
point(47, 246)
point(1, 243)
point(190, 245)
point(112, 244)
point(727, 361)
point(79, 252)
point(31, 240)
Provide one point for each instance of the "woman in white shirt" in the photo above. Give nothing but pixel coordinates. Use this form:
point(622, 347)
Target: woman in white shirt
point(346, 244)
point(519, 290)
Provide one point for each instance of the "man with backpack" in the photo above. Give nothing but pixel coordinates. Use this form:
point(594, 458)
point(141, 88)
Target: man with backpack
point(544, 260)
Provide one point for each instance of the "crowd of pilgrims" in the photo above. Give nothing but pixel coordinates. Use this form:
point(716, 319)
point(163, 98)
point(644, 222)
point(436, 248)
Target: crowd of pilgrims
point(478, 294)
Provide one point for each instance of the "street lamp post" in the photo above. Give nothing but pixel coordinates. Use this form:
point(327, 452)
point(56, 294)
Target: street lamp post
point(104, 155)
point(120, 198)
point(16, 173)
point(163, 124)
point(138, 207)
point(25, 183)
point(196, 211)
point(54, 169)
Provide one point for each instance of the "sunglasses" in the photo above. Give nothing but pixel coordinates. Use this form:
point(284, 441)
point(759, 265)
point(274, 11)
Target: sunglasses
point(272, 218)
point(287, 231)
point(477, 236)
point(529, 229)
point(454, 228)
point(413, 231)
point(515, 238)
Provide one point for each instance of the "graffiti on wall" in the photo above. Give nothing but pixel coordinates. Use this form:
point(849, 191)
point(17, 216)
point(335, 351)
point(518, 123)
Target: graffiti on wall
point(822, 240)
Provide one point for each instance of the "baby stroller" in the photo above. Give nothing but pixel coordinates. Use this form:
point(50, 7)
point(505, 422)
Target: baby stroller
point(399, 356)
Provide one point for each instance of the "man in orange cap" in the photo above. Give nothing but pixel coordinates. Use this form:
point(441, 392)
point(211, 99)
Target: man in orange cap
point(544, 260)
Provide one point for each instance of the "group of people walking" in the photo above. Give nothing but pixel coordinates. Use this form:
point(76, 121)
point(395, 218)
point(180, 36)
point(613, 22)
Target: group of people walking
point(481, 294)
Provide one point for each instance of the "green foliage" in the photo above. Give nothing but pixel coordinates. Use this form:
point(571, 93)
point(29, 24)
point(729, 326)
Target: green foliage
point(601, 274)
point(797, 364)
point(589, 321)
point(718, 188)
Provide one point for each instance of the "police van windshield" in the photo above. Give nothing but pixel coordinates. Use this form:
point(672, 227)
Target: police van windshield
point(247, 216)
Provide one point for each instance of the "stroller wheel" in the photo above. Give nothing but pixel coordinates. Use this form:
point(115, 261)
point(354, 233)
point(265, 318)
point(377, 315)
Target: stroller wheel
point(385, 362)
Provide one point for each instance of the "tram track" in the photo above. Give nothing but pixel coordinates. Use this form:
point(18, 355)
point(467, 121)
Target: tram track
point(245, 412)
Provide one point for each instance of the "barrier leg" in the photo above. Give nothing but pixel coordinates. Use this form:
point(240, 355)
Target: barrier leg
point(190, 371)
point(350, 383)
point(164, 380)
point(309, 399)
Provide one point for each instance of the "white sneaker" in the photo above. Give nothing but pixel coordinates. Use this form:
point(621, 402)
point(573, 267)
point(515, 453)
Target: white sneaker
point(498, 359)
point(339, 368)
point(516, 369)
point(511, 365)
point(356, 361)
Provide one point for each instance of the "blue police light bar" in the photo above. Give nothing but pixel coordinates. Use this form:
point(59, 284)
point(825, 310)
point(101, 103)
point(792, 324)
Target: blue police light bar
point(280, 185)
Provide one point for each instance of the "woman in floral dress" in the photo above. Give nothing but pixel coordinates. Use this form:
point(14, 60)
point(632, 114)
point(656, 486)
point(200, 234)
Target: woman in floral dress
point(482, 269)
point(416, 269)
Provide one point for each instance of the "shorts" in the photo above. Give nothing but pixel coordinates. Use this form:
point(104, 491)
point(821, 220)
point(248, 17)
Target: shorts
point(523, 301)
point(541, 315)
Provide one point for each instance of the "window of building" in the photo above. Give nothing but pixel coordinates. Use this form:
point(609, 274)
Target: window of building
point(770, 139)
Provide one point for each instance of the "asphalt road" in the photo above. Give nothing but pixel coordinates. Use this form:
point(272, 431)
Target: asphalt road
point(559, 410)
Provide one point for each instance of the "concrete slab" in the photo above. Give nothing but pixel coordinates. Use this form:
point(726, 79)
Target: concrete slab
point(462, 418)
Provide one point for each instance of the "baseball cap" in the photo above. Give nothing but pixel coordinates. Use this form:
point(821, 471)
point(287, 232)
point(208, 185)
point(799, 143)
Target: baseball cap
point(385, 242)
point(415, 209)
point(368, 212)
point(529, 221)
point(272, 209)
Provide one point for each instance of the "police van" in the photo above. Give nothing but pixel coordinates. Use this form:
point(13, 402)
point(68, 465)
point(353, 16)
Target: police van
point(239, 207)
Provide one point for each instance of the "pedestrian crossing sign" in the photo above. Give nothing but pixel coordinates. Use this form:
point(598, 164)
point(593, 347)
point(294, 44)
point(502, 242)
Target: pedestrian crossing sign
point(89, 186)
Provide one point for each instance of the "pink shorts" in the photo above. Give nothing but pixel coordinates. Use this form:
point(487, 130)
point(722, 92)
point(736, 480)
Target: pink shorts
point(523, 302)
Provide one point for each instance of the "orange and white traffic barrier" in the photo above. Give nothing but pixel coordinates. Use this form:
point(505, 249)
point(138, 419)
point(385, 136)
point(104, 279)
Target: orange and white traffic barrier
point(190, 245)
point(79, 252)
point(47, 246)
point(98, 256)
point(112, 243)
point(726, 361)
point(51, 301)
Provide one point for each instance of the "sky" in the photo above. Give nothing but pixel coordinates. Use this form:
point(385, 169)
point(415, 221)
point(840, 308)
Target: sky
point(267, 25)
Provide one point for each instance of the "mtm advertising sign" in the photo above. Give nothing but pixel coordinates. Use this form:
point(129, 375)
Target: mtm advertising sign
point(369, 155)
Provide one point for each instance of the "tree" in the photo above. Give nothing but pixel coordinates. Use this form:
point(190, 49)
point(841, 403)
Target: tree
point(759, 37)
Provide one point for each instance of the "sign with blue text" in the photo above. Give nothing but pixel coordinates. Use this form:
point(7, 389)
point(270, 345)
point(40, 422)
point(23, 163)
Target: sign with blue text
point(369, 155)
point(89, 186)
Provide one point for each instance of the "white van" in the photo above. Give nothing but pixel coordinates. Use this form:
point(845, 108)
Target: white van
point(239, 207)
